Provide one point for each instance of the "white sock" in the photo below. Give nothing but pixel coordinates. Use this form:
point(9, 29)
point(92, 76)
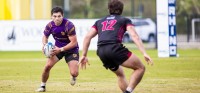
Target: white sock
point(129, 89)
point(43, 84)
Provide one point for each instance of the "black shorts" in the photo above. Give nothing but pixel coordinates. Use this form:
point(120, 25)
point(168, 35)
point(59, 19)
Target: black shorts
point(113, 55)
point(68, 56)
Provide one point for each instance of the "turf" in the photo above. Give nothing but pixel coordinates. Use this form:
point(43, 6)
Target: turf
point(20, 72)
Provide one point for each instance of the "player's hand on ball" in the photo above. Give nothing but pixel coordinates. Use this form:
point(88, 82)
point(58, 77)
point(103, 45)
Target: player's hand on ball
point(55, 51)
point(148, 59)
point(83, 61)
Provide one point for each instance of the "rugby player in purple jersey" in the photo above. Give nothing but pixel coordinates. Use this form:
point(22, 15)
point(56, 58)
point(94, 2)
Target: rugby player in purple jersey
point(66, 45)
point(111, 51)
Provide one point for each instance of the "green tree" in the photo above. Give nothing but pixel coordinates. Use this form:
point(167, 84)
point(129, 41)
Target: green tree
point(185, 10)
point(188, 7)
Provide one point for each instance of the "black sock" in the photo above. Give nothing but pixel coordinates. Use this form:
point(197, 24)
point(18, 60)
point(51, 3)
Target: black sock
point(43, 87)
point(127, 91)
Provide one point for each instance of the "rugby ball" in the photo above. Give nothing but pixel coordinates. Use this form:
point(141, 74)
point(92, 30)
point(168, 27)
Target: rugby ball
point(48, 47)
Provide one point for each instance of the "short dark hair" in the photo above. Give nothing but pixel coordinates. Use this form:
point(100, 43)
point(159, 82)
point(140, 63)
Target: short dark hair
point(115, 7)
point(56, 10)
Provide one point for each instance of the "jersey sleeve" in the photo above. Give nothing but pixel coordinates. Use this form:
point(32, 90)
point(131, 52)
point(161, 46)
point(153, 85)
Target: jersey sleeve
point(47, 30)
point(71, 29)
point(95, 26)
point(128, 22)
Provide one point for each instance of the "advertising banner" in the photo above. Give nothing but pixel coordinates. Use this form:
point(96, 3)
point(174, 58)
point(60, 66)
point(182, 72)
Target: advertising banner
point(166, 28)
point(26, 35)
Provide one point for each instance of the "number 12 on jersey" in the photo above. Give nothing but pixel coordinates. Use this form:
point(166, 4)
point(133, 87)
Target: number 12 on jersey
point(108, 25)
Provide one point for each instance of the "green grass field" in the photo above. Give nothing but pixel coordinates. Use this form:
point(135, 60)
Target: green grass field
point(20, 72)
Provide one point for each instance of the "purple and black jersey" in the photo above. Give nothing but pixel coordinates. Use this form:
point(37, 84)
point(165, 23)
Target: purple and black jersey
point(111, 29)
point(60, 33)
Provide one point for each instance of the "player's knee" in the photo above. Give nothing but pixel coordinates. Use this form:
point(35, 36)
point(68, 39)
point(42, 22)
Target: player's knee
point(74, 73)
point(48, 68)
point(120, 75)
point(142, 68)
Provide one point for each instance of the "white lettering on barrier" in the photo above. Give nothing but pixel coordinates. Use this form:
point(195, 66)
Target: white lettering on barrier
point(172, 50)
point(26, 35)
point(172, 32)
point(172, 40)
point(172, 26)
point(172, 10)
point(172, 20)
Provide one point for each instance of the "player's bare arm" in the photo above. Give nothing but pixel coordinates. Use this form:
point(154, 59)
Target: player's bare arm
point(92, 33)
point(44, 41)
point(138, 42)
point(72, 44)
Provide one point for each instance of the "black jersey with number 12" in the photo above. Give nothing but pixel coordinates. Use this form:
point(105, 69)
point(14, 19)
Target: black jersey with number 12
point(111, 29)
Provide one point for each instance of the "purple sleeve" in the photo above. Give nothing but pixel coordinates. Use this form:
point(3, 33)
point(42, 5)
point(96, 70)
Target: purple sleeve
point(71, 29)
point(47, 30)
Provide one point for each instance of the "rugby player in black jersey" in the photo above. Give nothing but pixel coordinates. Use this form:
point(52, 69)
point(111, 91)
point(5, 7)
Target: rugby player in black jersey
point(114, 56)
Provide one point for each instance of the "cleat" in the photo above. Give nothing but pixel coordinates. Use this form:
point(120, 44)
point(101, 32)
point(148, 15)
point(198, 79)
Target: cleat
point(126, 91)
point(41, 89)
point(73, 81)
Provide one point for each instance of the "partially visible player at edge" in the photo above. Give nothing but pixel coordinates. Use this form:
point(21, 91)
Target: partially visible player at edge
point(111, 51)
point(63, 31)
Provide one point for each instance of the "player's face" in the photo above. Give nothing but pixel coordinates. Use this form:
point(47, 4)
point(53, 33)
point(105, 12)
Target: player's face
point(57, 18)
